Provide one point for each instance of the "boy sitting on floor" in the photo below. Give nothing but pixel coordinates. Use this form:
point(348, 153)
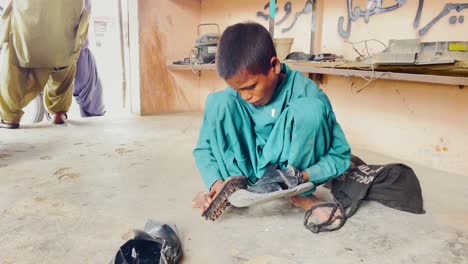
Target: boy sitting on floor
point(268, 115)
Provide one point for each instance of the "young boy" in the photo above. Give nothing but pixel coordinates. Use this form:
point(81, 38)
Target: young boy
point(269, 114)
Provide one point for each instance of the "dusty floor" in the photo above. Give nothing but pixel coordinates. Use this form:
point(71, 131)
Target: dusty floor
point(73, 194)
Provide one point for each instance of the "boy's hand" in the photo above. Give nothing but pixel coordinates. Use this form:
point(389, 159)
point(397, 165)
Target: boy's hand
point(305, 174)
point(217, 186)
point(203, 200)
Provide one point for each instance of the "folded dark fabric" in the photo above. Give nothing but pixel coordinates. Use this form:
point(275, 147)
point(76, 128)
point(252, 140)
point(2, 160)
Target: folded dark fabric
point(397, 186)
point(393, 185)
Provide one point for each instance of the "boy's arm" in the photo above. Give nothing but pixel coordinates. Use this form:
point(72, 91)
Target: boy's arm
point(337, 160)
point(204, 158)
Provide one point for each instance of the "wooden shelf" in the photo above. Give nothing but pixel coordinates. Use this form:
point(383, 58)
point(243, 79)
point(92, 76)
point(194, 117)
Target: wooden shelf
point(194, 67)
point(410, 77)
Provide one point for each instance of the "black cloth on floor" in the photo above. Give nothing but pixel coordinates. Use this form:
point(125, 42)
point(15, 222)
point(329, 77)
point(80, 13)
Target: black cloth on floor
point(397, 186)
point(393, 185)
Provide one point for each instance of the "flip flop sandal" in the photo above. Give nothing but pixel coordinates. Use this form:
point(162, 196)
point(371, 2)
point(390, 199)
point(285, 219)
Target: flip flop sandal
point(244, 198)
point(315, 226)
point(276, 180)
point(220, 200)
point(8, 126)
point(273, 185)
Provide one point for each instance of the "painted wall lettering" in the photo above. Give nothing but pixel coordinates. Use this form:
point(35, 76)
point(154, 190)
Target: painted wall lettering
point(307, 9)
point(373, 7)
point(287, 8)
point(448, 8)
point(376, 7)
point(266, 15)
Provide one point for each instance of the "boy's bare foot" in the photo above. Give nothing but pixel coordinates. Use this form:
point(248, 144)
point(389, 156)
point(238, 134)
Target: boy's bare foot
point(321, 213)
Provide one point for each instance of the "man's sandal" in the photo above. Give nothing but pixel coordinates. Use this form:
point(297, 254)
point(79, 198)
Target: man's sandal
point(8, 125)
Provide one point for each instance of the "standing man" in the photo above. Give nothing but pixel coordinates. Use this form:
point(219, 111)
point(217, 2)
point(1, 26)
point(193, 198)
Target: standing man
point(40, 44)
point(88, 86)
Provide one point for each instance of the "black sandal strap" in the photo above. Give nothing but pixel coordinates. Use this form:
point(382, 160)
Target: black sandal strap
point(323, 227)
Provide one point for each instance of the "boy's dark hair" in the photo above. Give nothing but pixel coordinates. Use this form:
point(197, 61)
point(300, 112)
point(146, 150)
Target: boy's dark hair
point(244, 47)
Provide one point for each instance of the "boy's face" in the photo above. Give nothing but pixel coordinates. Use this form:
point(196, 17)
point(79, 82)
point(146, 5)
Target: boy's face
point(257, 89)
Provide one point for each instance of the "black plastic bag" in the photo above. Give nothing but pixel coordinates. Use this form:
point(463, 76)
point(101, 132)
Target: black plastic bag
point(156, 244)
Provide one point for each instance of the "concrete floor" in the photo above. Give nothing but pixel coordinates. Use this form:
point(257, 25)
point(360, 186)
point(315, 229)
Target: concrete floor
point(73, 194)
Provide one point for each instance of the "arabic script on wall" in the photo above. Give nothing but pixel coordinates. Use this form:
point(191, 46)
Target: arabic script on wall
point(374, 7)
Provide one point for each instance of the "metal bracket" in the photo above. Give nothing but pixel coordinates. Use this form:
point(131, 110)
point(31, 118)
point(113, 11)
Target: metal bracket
point(316, 77)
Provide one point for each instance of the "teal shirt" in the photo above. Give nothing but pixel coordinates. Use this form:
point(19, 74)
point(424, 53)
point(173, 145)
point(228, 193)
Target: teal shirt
point(270, 128)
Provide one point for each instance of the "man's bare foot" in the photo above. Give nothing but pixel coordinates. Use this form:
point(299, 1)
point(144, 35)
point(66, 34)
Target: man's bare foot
point(306, 202)
point(14, 122)
point(59, 118)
